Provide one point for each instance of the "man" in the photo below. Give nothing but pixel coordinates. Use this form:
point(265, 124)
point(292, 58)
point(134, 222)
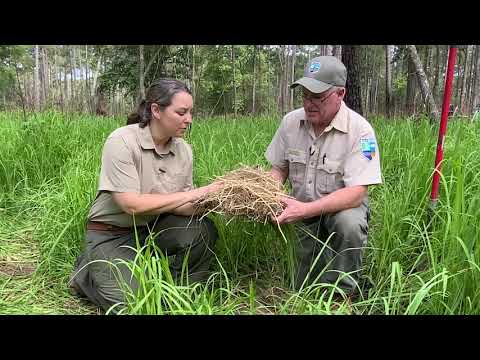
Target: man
point(329, 154)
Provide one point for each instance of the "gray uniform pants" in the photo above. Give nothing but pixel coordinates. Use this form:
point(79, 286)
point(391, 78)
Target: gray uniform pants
point(341, 253)
point(178, 235)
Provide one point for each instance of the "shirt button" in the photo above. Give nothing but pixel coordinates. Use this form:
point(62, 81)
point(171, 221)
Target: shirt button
point(310, 182)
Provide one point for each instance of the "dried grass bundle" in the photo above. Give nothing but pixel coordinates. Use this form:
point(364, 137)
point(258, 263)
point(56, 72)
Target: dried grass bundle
point(247, 191)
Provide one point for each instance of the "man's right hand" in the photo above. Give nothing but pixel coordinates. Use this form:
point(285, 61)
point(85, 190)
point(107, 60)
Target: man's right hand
point(295, 211)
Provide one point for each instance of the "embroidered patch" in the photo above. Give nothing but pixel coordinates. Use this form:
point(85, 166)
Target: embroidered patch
point(314, 67)
point(368, 148)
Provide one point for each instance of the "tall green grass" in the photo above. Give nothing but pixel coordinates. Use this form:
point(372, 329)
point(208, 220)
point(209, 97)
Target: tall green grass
point(418, 261)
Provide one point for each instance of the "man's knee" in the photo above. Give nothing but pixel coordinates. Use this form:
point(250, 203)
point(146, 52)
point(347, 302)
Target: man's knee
point(351, 225)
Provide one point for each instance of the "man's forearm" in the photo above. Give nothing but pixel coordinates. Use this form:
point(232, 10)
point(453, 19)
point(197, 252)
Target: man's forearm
point(339, 200)
point(152, 204)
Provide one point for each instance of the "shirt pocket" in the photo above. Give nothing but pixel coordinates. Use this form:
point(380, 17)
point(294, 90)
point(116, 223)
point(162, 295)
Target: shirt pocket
point(329, 177)
point(297, 162)
point(166, 182)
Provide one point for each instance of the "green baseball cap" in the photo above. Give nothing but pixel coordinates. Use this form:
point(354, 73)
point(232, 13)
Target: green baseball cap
point(321, 73)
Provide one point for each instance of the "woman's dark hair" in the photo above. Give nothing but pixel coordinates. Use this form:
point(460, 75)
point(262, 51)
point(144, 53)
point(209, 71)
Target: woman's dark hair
point(161, 93)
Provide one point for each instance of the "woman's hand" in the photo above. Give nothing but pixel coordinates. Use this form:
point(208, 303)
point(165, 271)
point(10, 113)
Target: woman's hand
point(200, 192)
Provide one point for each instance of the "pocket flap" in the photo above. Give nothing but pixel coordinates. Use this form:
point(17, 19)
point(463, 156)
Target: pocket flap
point(296, 156)
point(331, 166)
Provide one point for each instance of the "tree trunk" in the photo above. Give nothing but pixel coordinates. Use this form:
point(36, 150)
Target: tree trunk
point(437, 72)
point(36, 82)
point(87, 84)
point(56, 83)
point(410, 96)
point(473, 78)
point(373, 74)
point(388, 80)
point(366, 81)
point(233, 82)
point(284, 80)
point(286, 76)
point(45, 79)
point(426, 58)
point(292, 76)
point(426, 69)
point(20, 93)
point(254, 77)
point(27, 91)
point(281, 82)
point(476, 98)
point(422, 80)
point(464, 80)
point(350, 59)
point(141, 75)
point(323, 50)
point(193, 74)
point(259, 98)
point(101, 104)
point(470, 77)
point(457, 78)
point(95, 76)
point(337, 51)
point(71, 55)
point(65, 85)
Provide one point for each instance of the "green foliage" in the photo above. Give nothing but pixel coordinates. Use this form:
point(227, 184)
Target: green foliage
point(122, 66)
point(399, 85)
point(13, 59)
point(418, 261)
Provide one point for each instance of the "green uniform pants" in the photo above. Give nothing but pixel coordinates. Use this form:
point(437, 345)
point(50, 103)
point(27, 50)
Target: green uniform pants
point(178, 235)
point(342, 253)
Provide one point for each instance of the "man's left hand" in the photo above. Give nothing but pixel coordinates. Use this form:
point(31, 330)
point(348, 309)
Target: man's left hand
point(295, 211)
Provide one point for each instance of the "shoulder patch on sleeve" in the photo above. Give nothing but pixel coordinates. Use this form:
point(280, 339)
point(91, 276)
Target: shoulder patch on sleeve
point(368, 147)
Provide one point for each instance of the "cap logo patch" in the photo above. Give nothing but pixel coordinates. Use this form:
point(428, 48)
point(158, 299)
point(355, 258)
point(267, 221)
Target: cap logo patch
point(314, 67)
point(368, 147)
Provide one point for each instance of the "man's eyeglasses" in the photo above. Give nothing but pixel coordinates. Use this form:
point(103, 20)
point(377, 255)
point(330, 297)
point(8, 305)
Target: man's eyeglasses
point(315, 97)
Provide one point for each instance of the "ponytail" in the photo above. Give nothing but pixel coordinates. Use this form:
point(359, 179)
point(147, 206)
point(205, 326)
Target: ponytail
point(140, 116)
point(161, 93)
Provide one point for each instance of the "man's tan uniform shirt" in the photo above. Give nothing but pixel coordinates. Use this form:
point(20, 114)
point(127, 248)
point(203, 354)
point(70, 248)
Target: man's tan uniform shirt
point(344, 155)
point(131, 163)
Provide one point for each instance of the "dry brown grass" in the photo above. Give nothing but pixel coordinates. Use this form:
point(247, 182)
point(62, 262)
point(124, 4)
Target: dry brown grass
point(248, 191)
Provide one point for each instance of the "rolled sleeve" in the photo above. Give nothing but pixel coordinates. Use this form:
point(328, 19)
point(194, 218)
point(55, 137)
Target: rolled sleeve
point(189, 180)
point(275, 153)
point(118, 172)
point(362, 165)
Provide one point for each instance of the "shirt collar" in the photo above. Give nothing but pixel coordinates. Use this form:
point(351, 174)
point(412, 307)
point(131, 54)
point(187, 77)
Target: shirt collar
point(146, 141)
point(339, 122)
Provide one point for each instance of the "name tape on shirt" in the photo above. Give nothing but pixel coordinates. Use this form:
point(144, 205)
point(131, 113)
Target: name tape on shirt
point(368, 147)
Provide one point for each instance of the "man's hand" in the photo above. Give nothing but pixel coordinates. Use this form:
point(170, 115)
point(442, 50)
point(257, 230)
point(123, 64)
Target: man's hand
point(339, 200)
point(295, 211)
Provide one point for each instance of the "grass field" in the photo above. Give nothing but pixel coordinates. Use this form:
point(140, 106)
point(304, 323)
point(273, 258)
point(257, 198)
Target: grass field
point(417, 262)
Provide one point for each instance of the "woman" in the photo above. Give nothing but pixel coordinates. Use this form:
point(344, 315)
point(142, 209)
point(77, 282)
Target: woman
point(145, 181)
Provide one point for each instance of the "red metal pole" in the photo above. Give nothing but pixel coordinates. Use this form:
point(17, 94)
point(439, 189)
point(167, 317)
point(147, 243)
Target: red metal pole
point(452, 54)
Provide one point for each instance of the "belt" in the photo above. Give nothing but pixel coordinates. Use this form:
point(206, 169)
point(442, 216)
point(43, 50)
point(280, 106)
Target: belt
point(98, 226)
